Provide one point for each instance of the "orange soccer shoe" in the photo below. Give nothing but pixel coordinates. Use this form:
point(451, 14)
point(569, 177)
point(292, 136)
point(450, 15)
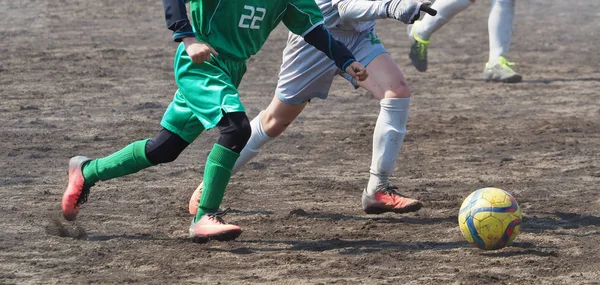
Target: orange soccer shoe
point(212, 227)
point(389, 200)
point(77, 192)
point(195, 199)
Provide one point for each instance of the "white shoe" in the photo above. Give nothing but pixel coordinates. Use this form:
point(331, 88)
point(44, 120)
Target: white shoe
point(501, 72)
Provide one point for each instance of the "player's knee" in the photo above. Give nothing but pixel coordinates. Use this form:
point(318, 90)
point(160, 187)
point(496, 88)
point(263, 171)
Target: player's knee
point(166, 147)
point(399, 90)
point(243, 133)
point(236, 137)
point(235, 131)
point(235, 140)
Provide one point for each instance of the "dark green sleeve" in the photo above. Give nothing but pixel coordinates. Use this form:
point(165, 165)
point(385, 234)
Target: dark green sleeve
point(301, 16)
point(321, 39)
point(177, 20)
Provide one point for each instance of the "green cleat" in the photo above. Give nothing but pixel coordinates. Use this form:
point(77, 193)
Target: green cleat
point(501, 72)
point(418, 50)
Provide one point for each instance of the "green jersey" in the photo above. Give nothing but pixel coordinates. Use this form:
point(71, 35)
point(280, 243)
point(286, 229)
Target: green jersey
point(239, 28)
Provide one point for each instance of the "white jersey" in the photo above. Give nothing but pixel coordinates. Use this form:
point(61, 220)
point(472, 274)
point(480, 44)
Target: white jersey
point(334, 22)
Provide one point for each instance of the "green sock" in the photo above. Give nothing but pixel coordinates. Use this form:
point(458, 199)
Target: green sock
point(216, 177)
point(130, 159)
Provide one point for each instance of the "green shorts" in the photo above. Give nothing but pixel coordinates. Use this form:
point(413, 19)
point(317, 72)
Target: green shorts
point(206, 91)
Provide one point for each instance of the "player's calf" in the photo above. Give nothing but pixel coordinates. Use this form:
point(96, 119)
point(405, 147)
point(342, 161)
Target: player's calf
point(278, 116)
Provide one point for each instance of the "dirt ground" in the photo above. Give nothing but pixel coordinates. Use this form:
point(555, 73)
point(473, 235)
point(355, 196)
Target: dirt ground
point(88, 77)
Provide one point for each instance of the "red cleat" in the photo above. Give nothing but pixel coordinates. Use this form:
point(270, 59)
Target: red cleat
point(77, 191)
point(389, 200)
point(212, 227)
point(195, 199)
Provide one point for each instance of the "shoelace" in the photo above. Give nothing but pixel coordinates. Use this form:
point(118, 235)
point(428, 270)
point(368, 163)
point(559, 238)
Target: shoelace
point(392, 190)
point(505, 63)
point(421, 43)
point(219, 215)
point(84, 195)
point(421, 46)
point(422, 50)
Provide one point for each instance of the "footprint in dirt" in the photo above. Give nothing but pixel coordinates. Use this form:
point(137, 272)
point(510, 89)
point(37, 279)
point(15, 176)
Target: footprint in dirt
point(58, 227)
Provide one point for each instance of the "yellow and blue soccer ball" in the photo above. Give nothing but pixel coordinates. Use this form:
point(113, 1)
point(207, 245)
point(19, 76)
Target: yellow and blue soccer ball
point(490, 218)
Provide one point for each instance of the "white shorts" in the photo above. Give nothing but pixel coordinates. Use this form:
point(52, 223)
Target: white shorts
point(307, 73)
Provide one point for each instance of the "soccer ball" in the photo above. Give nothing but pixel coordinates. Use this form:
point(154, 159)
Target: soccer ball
point(490, 218)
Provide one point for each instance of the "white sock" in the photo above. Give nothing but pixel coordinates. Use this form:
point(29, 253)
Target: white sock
point(387, 141)
point(258, 138)
point(500, 28)
point(446, 10)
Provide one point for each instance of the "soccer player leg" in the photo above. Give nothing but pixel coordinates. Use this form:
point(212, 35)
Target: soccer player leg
point(85, 172)
point(446, 9)
point(166, 147)
point(500, 29)
point(387, 83)
point(235, 130)
point(208, 223)
point(258, 137)
point(305, 73)
point(267, 125)
point(421, 31)
point(210, 92)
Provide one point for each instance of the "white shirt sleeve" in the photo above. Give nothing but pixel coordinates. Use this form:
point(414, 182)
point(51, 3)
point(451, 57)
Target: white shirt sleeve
point(361, 10)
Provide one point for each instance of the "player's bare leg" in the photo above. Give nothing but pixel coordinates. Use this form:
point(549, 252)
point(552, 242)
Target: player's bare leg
point(386, 82)
point(267, 125)
point(279, 115)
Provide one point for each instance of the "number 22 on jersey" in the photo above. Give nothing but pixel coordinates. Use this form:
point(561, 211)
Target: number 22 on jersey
point(252, 21)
